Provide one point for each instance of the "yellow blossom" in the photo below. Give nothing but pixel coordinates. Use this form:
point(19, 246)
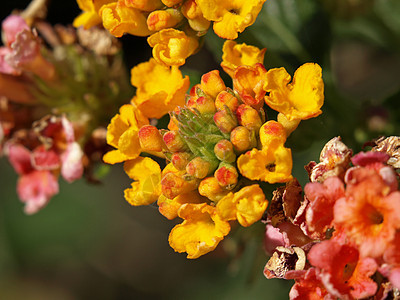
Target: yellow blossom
point(246, 205)
point(169, 207)
point(230, 16)
point(146, 187)
point(193, 14)
point(235, 55)
point(272, 134)
point(122, 133)
point(119, 19)
point(200, 232)
point(273, 164)
point(90, 15)
point(171, 47)
point(301, 99)
point(159, 88)
point(144, 5)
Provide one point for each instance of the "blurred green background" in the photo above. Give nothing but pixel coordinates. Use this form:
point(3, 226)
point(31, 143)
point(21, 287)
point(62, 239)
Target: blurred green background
point(89, 243)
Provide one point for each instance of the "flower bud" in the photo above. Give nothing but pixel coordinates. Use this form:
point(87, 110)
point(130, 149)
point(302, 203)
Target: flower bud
point(205, 105)
point(162, 19)
point(228, 99)
point(243, 139)
point(224, 151)
point(173, 185)
point(180, 160)
point(150, 139)
point(248, 117)
point(198, 168)
point(227, 176)
point(225, 120)
point(195, 18)
point(212, 83)
point(210, 188)
point(174, 141)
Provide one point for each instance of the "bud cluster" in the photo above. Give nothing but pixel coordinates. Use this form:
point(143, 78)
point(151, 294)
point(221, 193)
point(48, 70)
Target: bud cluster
point(205, 138)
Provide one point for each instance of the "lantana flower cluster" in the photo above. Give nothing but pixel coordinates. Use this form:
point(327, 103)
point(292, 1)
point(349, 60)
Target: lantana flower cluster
point(219, 145)
point(54, 103)
point(174, 27)
point(340, 239)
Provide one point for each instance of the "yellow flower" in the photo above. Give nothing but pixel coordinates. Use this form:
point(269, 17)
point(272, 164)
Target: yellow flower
point(235, 55)
point(144, 5)
point(200, 232)
point(90, 15)
point(230, 16)
point(119, 19)
point(169, 207)
point(246, 205)
point(171, 47)
point(272, 134)
point(273, 164)
point(122, 133)
point(146, 187)
point(248, 81)
point(301, 99)
point(159, 88)
point(193, 14)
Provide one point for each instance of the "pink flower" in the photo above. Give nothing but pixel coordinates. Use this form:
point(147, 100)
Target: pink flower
point(11, 27)
point(341, 270)
point(319, 211)
point(35, 189)
point(369, 214)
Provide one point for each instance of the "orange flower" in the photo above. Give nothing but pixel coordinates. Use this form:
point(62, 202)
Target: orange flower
point(200, 232)
point(119, 19)
point(169, 207)
point(235, 55)
point(301, 99)
point(246, 205)
point(171, 47)
point(122, 133)
point(159, 88)
point(368, 214)
point(230, 17)
point(90, 15)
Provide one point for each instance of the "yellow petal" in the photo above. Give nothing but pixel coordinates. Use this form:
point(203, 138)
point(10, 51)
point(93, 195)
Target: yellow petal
point(301, 99)
point(200, 232)
point(169, 207)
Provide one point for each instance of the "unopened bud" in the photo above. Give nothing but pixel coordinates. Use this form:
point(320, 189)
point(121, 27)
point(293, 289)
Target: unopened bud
point(272, 133)
point(180, 160)
point(210, 188)
point(248, 117)
point(225, 120)
point(212, 83)
point(224, 151)
point(162, 19)
point(243, 139)
point(227, 176)
point(173, 185)
point(198, 168)
point(150, 139)
point(205, 105)
point(228, 99)
point(174, 141)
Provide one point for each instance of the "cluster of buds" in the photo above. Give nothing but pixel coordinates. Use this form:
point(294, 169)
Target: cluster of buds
point(219, 147)
point(174, 27)
point(58, 89)
point(340, 239)
point(205, 138)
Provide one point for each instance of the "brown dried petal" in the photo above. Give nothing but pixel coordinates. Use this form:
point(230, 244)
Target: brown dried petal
point(292, 198)
point(334, 160)
point(391, 146)
point(284, 260)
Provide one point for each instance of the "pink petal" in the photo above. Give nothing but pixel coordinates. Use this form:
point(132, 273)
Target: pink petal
point(11, 26)
point(72, 167)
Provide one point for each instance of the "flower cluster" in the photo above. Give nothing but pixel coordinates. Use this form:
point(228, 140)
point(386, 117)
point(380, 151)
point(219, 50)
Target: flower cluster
point(339, 240)
point(55, 101)
point(219, 144)
point(174, 27)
